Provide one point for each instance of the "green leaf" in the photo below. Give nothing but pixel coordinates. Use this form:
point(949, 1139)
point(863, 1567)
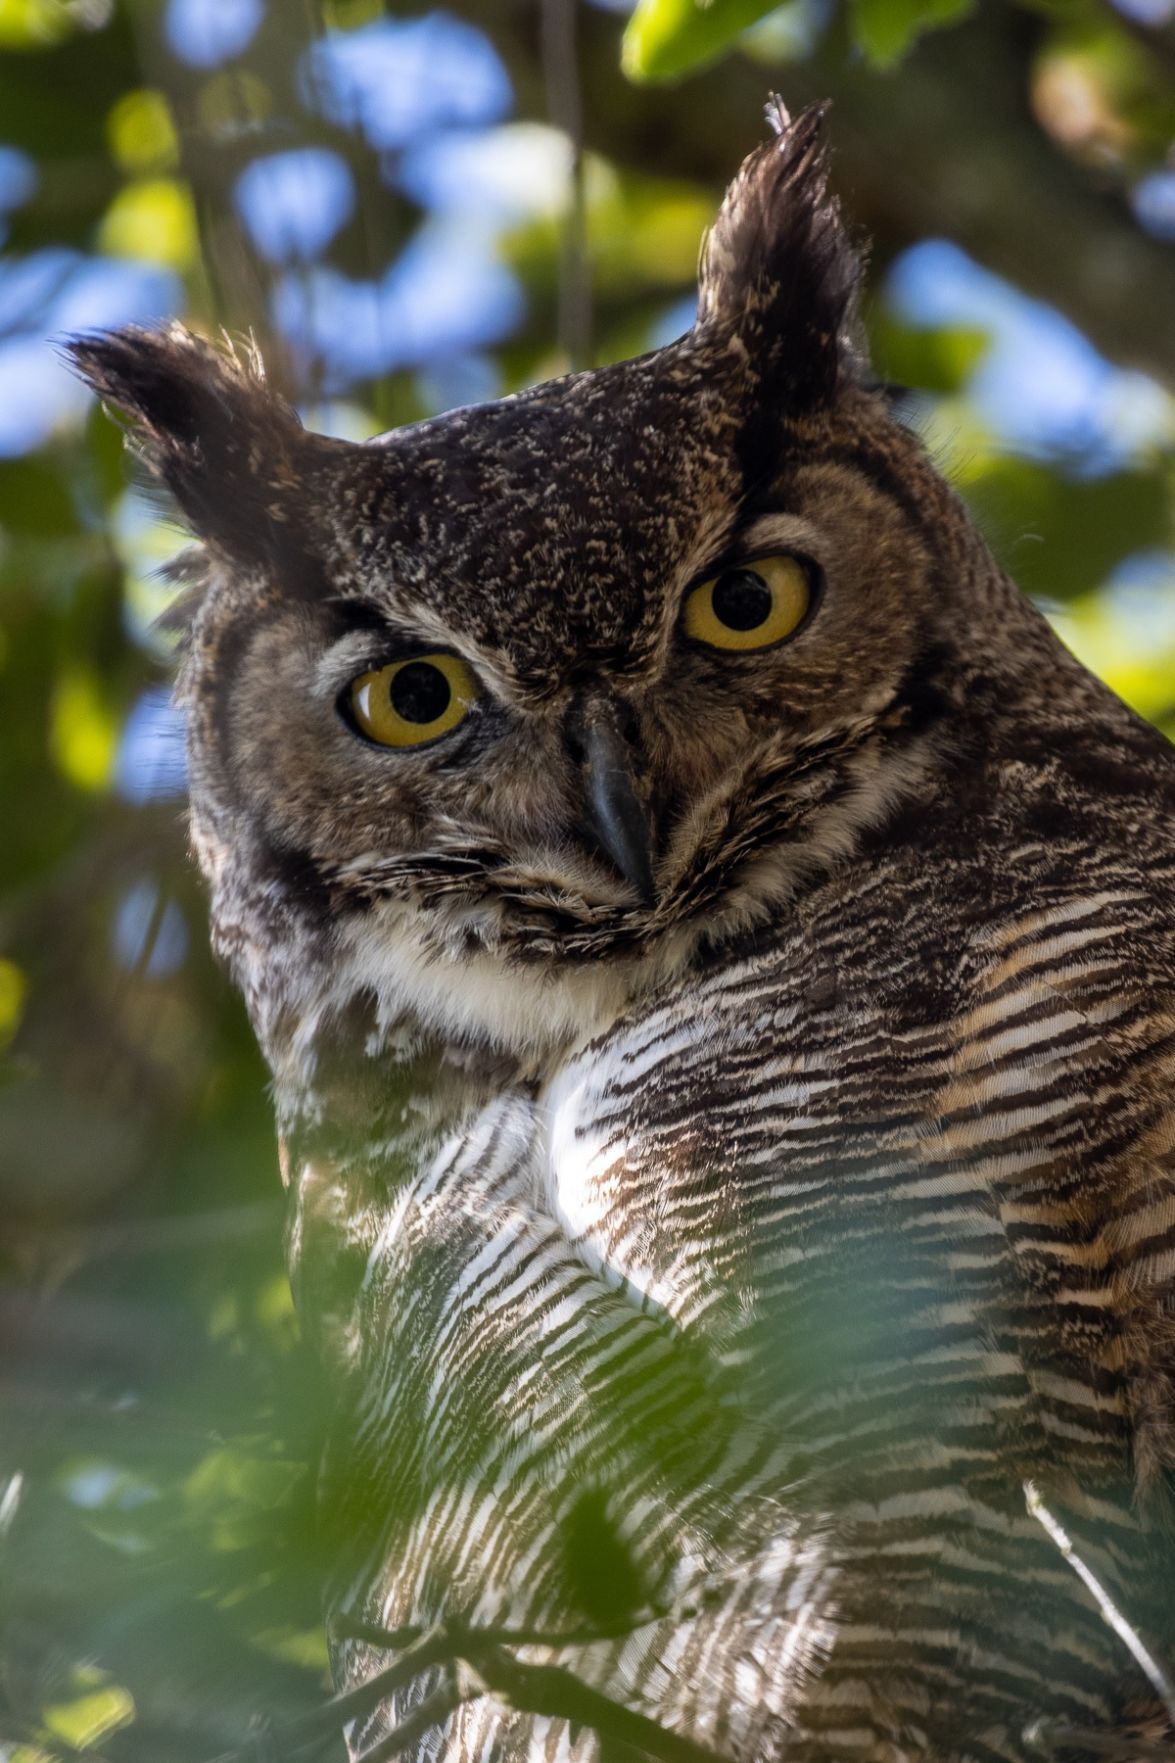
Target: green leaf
point(153, 219)
point(13, 987)
point(665, 39)
point(1062, 536)
point(33, 24)
point(886, 29)
point(102, 1707)
point(35, 498)
point(940, 361)
point(84, 731)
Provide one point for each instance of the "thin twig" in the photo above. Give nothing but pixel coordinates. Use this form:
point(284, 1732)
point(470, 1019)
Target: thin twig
point(548, 1690)
point(565, 108)
point(1122, 1627)
point(433, 1711)
point(558, 1694)
point(1043, 1735)
point(432, 1648)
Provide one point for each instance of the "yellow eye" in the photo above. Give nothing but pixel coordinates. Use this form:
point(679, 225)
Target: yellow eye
point(412, 701)
point(751, 607)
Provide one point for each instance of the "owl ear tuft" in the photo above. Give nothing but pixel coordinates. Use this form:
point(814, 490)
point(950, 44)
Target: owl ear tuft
point(778, 270)
point(226, 447)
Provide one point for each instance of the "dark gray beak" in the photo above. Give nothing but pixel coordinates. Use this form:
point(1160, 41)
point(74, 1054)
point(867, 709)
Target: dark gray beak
point(616, 817)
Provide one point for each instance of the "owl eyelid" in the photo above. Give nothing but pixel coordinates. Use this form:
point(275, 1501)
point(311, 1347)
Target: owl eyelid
point(411, 649)
point(739, 557)
point(346, 660)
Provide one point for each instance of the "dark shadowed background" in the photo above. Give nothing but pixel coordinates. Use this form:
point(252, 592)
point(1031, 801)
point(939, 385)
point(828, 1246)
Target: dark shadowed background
point(393, 200)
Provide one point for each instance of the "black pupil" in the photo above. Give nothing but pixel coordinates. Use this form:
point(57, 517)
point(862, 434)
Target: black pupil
point(420, 692)
point(741, 600)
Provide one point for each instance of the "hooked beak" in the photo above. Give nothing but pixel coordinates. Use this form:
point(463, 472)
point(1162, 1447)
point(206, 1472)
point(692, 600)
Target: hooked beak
point(615, 817)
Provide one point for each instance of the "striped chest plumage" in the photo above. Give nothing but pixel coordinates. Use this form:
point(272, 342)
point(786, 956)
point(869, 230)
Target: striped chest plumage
point(714, 950)
point(910, 1290)
point(948, 1110)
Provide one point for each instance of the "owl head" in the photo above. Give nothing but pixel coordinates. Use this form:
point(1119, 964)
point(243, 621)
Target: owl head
point(506, 715)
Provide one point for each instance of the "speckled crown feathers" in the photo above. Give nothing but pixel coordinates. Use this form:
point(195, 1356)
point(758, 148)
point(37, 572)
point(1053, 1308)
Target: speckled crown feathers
point(778, 276)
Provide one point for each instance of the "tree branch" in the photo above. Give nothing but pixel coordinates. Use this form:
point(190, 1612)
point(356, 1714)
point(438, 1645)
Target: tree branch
point(549, 1690)
point(553, 1691)
point(434, 1647)
point(561, 77)
point(433, 1711)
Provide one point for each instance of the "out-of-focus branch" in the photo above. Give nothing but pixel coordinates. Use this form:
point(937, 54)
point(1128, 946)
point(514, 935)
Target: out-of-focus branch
point(557, 1693)
point(293, 1738)
point(433, 1711)
point(561, 77)
point(474, 1663)
point(1111, 1613)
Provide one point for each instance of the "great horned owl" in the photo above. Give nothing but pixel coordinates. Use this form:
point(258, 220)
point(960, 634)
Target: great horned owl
point(713, 946)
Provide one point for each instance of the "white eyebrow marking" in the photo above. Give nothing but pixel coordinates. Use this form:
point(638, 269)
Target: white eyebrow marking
point(341, 660)
point(789, 532)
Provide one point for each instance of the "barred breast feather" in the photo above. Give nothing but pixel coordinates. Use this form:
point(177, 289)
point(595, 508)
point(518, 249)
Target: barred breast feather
point(725, 1064)
point(791, 1284)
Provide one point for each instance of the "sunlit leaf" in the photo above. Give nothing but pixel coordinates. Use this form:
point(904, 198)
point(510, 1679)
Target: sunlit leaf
point(227, 1475)
point(13, 989)
point(350, 15)
point(1135, 655)
point(142, 134)
point(668, 38)
point(275, 1305)
point(233, 1495)
point(84, 730)
point(642, 233)
point(91, 1716)
point(33, 24)
point(152, 219)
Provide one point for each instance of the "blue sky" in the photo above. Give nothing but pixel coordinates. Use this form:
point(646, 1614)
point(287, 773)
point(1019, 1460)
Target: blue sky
point(1040, 387)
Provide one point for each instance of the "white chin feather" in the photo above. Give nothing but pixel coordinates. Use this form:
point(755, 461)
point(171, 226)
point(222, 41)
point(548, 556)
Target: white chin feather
point(477, 996)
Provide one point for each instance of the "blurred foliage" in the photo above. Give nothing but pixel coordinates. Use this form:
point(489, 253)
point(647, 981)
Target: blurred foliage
point(383, 196)
point(667, 38)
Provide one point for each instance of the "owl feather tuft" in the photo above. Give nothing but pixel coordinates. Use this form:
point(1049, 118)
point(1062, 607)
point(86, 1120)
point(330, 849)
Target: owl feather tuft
point(778, 270)
point(229, 449)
